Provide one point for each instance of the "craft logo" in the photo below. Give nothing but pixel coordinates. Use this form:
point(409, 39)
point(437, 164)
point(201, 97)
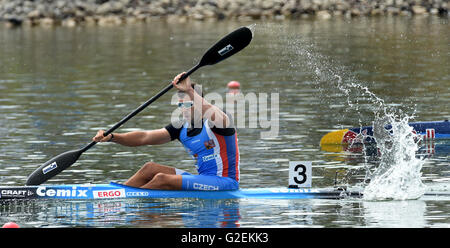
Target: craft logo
point(15, 193)
point(225, 50)
point(49, 168)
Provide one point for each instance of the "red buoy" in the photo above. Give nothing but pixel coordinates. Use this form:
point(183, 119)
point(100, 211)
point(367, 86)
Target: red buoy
point(10, 225)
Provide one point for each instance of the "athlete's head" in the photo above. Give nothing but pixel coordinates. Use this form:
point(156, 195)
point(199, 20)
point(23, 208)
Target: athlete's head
point(187, 106)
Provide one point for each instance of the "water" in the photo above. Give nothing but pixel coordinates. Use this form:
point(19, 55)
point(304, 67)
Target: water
point(398, 175)
point(60, 85)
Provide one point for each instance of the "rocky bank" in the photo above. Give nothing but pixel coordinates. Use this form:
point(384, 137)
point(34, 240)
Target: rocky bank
point(116, 12)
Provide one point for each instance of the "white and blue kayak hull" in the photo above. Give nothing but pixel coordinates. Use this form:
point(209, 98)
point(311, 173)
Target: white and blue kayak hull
point(115, 190)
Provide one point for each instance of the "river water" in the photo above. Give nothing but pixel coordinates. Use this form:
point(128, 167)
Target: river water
point(59, 85)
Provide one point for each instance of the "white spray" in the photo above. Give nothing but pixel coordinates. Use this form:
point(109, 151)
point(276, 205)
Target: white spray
point(398, 175)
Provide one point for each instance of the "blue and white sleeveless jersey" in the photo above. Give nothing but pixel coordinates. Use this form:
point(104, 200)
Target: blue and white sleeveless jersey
point(215, 154)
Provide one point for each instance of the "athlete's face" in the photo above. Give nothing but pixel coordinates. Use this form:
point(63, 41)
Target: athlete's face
point(187, 107)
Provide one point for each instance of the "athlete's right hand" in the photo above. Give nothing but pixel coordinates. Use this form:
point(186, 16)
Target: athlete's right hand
point(100, 138)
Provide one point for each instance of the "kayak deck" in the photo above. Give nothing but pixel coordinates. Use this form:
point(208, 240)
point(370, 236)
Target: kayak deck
point(119, 191)
point(115, 190)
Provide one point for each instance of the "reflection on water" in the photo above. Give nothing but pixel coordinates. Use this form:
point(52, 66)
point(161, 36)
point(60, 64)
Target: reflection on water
point(59, 86)
point(395, 213)
point(132, 213)
point(229, 213)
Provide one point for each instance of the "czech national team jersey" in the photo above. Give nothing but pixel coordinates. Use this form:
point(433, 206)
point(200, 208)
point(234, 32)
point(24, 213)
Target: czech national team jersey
point(215, 154)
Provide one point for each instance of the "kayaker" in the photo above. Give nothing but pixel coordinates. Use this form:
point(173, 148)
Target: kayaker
point(207, 134)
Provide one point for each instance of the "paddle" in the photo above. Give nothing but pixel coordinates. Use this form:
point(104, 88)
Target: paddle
point(224, 48)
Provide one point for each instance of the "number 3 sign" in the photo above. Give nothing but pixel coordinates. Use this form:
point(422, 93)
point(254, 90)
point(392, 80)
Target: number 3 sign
point(300, 173)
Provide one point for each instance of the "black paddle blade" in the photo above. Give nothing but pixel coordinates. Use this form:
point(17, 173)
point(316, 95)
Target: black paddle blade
point(227, 46)
point(53, 167)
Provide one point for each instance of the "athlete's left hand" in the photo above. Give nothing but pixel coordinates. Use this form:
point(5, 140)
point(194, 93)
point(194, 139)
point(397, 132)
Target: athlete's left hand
point(184, 85)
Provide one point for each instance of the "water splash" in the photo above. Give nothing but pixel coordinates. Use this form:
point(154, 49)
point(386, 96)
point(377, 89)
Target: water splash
point(398, 174)
point(252, 28)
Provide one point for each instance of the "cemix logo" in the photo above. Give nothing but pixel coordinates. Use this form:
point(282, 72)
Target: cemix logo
point(73, 192)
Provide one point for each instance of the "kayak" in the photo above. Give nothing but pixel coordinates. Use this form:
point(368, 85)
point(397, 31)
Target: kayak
point(114, 191)
point(117, 191)
point(435, 130)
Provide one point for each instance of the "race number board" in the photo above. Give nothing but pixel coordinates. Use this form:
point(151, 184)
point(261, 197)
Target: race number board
point(300, 174)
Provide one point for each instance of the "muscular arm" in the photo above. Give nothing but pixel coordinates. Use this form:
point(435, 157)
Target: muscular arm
point(214, 114)
point(208, 111)
point(137, 138)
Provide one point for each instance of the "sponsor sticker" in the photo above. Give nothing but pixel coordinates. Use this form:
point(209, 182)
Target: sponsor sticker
point(226, 49)
point(209, 157)
point(111, 193)
point(15, 193)
point(137, 194)
point(49, 168)
point(73, 192)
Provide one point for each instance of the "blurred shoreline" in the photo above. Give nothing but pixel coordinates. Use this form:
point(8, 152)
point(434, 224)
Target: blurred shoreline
point(14, 13)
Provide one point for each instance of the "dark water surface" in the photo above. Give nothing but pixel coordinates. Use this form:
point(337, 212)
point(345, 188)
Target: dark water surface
point(58, 86)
